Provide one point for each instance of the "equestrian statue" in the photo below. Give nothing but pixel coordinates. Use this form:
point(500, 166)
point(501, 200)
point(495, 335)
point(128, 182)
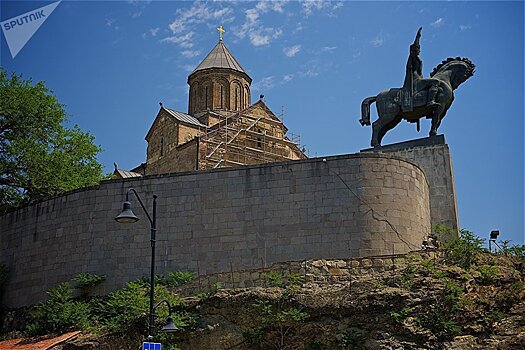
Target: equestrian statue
point(419, 97)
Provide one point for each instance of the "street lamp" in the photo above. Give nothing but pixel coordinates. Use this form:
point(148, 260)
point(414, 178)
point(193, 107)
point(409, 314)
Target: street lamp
point(128, 217)
point(170, 326)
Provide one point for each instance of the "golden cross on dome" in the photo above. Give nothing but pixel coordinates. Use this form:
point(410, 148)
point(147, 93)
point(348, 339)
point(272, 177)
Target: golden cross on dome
point(220, 32)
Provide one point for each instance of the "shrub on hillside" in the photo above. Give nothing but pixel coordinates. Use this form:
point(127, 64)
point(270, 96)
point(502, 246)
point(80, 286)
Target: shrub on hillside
point(60, 313)
point(86, 281)
point(512, 250)
point(463, 251)
point(178, 278)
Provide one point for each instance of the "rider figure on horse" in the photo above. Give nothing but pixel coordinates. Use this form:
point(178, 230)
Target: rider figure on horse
point(414, 80)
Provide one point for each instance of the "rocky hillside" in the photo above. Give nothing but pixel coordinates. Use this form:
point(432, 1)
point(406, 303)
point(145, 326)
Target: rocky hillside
point(422, 302)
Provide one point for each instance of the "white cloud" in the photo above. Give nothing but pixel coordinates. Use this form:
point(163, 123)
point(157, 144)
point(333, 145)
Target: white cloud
point(438, 22)
point(198, 13)
point(265, 83)
point(463, 27)
point(139, 7)
point(310, 73)
point(309, 6)
point(190, 53)
point(151, 33)
point(258, 40)
point(222, 12)
point(184, 41)
point(263, 37)
point(154, 31)
point(287, 78)
point(277, 6)
point(337, 5)
point(254, 29)
point(377, 41)
point(328, 48)
point(292, 50)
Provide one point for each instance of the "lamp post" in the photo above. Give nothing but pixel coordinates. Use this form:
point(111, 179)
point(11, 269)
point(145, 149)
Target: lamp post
point(128, 217)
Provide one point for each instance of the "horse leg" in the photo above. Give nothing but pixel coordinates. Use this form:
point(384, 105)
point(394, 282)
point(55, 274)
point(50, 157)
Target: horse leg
point(384, 123)
point(436, 119)
point(392, 123)
point(376, 126)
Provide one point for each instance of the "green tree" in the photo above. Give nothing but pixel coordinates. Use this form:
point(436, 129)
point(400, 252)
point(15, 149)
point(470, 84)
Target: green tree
point(39, 156)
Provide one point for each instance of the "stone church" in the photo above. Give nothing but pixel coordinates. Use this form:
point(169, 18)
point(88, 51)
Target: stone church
point(222, 127)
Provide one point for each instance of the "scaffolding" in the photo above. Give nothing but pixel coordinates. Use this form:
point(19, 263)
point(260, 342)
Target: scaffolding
point(244, 139)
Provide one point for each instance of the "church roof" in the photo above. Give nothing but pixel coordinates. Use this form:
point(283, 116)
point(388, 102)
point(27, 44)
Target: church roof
point(219, 57)
point(183, 117)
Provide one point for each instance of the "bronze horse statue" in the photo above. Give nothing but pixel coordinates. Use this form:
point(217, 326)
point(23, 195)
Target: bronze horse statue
point(450, 73)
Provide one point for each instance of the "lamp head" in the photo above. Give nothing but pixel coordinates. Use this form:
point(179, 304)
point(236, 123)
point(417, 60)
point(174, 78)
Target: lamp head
point(126, 216)
point(170, 326)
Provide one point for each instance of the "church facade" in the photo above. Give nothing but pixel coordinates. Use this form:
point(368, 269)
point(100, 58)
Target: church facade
point(222, 128)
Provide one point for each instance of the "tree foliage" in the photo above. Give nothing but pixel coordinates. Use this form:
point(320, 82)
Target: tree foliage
point(39, 156)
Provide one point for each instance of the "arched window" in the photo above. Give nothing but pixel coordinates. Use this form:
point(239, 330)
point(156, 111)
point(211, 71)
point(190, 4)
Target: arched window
point(246, 96)
point(236, 98)
point(206, 99)
point(161, 146)
point(221, 96)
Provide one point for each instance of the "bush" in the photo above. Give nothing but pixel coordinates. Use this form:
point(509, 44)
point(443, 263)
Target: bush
point(60, 313)
point(353, 338)
point(512, 250)
point(463, 251)
point(442, 232)
point(451, 294)
point(401, 315)
point(86, 281)
point(275, 326)
point(488, 273)
point(129, 306)
point(408, 276)
point(275, 279)
point(441, 325)
point(178, 278)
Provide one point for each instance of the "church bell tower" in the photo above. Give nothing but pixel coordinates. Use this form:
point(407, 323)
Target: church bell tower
point(219, 83)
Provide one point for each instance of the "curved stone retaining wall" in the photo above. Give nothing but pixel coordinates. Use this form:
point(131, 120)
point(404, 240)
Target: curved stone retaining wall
point(318, 271)
point(219, 221)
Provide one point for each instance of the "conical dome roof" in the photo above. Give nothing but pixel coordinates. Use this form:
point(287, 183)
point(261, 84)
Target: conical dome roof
point(219, 57)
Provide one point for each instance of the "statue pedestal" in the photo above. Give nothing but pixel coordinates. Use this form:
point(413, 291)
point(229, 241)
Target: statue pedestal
point(433, 156)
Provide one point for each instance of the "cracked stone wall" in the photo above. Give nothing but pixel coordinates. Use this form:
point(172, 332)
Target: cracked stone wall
point(218, 221)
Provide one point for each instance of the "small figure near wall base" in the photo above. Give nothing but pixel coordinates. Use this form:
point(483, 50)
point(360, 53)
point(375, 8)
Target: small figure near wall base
point(419, 97)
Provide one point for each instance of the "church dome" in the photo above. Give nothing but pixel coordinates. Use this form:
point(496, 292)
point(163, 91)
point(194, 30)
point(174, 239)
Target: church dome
point(218, 83)
point(219, 57)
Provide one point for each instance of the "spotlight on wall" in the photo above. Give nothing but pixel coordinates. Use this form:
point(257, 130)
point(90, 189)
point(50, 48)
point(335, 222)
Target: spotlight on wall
point(494, 234)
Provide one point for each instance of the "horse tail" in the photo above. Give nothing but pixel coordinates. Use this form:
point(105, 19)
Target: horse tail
point(365, 110)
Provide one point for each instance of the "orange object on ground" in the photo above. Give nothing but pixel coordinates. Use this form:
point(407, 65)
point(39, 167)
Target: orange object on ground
point(35, 343)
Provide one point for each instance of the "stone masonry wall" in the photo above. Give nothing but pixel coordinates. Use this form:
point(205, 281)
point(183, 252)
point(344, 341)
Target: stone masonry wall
point(318, 271)
point(433, 156)
point(218, 221)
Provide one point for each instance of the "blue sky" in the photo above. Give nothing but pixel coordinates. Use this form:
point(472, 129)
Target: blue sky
point(111, 62)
